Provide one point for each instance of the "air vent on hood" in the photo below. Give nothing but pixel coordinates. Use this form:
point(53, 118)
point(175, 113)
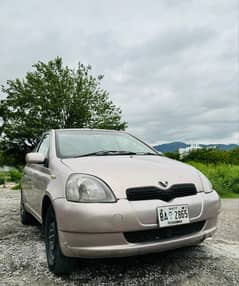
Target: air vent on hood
point(154, 193)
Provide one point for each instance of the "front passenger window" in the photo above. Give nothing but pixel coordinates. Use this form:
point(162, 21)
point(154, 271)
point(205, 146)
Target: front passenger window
point(44, 147)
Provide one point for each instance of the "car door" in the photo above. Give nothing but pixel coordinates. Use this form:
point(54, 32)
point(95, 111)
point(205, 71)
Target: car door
point(40, 177)
point(26, 185)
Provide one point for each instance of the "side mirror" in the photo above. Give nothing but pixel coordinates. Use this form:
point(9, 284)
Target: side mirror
point(35, 158)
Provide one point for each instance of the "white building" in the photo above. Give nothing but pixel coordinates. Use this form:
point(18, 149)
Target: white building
point(184, 151)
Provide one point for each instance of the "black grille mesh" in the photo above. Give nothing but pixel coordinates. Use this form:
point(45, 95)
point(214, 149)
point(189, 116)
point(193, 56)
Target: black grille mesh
point(161, 234)
point(154, 193)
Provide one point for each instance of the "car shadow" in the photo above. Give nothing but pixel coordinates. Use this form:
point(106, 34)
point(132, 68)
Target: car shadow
point(138, 268)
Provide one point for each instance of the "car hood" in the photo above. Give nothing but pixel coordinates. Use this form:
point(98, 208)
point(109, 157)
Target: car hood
point(122, 172)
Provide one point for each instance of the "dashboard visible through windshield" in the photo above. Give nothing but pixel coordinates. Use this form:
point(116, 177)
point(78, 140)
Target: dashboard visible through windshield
point(78, 143)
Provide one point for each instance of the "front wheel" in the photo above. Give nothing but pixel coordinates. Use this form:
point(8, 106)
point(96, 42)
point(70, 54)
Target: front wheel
point(57, 262)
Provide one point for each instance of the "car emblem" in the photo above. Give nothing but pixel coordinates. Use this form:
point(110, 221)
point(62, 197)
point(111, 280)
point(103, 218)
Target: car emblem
point(163, 184)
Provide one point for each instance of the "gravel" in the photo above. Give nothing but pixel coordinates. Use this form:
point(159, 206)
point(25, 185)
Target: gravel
point(23, 260)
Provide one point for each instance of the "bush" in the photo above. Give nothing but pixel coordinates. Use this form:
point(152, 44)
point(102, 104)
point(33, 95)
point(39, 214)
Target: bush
point(2, 181)
point(235, 186)
point(15, 176)
point(224, 177)
point(16, 187)
point(172, 155)
point(214, 156)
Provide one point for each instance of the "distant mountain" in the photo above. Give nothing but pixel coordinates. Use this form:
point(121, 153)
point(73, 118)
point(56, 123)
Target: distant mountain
point(222, 146)
point(174, 146)
point(170, 147)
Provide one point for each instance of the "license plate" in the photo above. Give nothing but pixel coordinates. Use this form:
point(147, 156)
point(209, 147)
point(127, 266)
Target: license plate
point(173, 215)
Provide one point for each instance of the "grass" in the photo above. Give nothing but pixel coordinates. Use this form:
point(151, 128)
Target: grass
point(224, 177)
point(230, 196)
point(13, 175)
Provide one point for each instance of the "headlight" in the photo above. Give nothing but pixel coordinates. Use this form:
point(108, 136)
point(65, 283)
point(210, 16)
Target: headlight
point(207, 186)
point(88, 189)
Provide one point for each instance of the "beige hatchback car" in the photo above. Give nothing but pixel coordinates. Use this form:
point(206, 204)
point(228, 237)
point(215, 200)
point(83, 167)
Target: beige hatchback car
point(101, 193)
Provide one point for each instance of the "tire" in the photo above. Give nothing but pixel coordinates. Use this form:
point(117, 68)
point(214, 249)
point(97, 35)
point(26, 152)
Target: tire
point(57, 262)
point(26, 218)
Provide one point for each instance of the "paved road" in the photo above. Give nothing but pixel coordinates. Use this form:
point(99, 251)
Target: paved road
point(215, 262)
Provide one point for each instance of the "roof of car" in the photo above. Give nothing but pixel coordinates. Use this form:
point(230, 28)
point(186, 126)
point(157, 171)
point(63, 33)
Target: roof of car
point(87, 129)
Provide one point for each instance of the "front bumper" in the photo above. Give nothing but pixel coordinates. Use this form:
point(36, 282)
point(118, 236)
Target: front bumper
point(97, 230)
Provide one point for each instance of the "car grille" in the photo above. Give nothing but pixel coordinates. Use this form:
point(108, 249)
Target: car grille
point(161, 234)
point(154, 193)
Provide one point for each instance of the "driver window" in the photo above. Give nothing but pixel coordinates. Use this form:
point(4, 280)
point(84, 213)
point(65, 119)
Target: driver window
point(43, 148)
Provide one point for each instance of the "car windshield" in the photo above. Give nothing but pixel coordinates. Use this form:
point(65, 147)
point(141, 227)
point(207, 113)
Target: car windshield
point(79, 143)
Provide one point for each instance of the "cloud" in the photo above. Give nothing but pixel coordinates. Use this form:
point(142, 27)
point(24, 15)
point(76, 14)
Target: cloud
point(171, 66)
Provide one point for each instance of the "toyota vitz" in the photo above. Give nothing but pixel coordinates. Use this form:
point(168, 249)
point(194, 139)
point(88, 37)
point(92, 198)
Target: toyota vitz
point(101, 193)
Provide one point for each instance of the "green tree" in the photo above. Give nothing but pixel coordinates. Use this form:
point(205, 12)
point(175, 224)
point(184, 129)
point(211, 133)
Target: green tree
point(214, 156)
point(53, 96)
point(172, 155)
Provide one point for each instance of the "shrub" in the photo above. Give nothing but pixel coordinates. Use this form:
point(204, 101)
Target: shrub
point(172, 155)
point(16, 187)
point(15, 175)
point(224, 177)
point(2, 181)
point(213, 156)
point(235, 186)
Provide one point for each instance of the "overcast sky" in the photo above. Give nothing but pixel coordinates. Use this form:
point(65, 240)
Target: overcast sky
point(171, 65)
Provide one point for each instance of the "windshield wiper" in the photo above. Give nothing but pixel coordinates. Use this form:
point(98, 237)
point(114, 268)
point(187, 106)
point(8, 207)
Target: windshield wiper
point(147, 153)
point(113, 152)
point(104, 153)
